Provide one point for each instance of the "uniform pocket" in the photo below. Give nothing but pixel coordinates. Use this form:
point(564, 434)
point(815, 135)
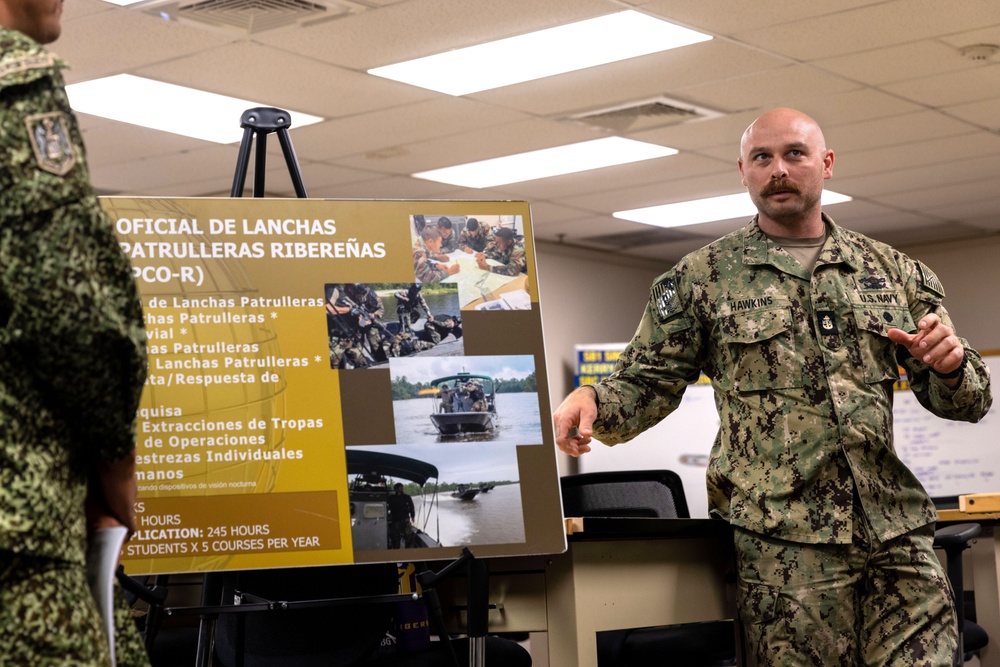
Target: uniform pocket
point(758, 603)
point(762, 347)
point(878, 353)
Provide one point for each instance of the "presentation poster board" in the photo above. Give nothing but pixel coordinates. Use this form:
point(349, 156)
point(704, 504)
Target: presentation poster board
point(319, 393)
point(949, 458)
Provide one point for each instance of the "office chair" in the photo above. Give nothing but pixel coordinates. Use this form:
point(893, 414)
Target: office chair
point(953, 539)
point(629, 493)
point(647, 494)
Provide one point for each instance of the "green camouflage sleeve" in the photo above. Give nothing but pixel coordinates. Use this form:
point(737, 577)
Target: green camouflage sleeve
point(74, 319)
point(513, 261)
point(465, 240)
point(972, 398)
point(652, 373)
point(425, 269)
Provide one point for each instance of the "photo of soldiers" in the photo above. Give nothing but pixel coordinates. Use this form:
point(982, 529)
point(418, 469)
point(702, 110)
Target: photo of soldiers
point(370, 309)
point(475, 236)
point(360, 338)
point(506, 249)
point(449, 240)
point(436, 330)
point(409, 303)
point(345, 326)
point(427, 265)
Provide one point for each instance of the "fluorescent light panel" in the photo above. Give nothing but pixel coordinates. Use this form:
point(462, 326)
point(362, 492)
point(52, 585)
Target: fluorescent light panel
point(166, 107)
point(697, 211)
point(566, 48)
point(568, 159)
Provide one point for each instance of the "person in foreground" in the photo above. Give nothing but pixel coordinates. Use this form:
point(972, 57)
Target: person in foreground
point(72, 363)
point(800, 325)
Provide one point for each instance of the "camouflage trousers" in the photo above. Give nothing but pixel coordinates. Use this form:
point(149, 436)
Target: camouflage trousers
point(343, 350)
point(48, 618)
point(866, 603)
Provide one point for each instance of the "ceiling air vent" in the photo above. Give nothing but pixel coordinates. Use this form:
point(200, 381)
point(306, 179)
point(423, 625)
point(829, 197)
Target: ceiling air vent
point(254, 16)
point(645, 114)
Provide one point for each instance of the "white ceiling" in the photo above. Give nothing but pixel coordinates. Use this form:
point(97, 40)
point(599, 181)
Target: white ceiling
point(914, 124)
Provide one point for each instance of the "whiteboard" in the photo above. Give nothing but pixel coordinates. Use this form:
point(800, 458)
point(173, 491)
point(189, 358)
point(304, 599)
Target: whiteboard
point(949, 458)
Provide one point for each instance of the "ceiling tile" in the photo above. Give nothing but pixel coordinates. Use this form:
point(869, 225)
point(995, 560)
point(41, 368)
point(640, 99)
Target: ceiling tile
point(726, 18)
point(409, 30)
point(897, 63)
point(388, 133)
point(871, 25)
point(767, 89)
point(633, 80)
point(969, 85)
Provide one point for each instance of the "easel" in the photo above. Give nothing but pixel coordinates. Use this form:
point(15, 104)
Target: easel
point(258, 123)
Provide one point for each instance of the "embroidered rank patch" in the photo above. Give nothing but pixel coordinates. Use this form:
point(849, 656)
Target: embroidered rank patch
point(49, 136)
point(929, 280)
point(827, 322)
point(665, 301)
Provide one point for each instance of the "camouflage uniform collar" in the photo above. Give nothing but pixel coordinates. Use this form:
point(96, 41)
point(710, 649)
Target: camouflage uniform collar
point(759, 249)
point(15, 41)
point(15, 46)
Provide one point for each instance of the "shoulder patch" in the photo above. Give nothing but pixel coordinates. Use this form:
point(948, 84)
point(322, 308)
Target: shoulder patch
point(929, 280)
point(49, 136)
point(664, 298)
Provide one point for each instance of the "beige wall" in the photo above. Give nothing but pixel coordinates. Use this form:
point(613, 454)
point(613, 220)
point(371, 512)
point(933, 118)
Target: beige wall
point(970, 272)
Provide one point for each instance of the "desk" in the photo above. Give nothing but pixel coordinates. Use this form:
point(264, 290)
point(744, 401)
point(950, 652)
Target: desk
point(984, 557)
point(616, 574)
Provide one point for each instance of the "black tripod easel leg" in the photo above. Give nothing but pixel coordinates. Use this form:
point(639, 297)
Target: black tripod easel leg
point(260, 122)
point(478, 606)
point(479, 611)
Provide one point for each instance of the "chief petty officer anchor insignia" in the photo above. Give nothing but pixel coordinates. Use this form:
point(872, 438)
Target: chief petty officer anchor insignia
point(827, 323)
point(50, 142)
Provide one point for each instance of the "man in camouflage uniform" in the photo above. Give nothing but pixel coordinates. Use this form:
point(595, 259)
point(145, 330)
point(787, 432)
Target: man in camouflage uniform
point(409, 302)
point(344, 324)
point(449, 240)
point(425, 268)
point(800, 325)
point(440, 328)
point(371, 307)
point(507, 250)
point(72, 363)
point(475, 237)
point(404, 344)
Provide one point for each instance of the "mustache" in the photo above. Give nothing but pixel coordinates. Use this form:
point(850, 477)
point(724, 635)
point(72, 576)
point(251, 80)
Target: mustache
point(780, 185)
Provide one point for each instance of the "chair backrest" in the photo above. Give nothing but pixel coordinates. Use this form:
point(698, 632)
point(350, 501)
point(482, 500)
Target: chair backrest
point(624, 493)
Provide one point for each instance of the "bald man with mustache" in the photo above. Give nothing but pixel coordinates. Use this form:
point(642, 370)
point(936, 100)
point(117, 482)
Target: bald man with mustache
point(801, 326)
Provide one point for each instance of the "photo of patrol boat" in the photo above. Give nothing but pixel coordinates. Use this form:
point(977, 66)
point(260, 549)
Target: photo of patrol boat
point(466, 403)
point(369, 492)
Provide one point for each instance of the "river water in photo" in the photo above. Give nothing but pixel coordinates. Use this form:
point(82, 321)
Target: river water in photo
point(517, 417)
point(494, 517)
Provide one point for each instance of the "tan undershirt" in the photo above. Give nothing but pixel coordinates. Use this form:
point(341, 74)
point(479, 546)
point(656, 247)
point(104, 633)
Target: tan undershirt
point(805, 250)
